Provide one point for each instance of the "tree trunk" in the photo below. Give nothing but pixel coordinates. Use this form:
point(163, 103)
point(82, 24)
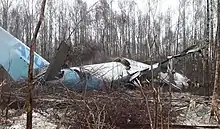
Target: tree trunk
point(206, 65)
point(216, 89)
point(30, 70)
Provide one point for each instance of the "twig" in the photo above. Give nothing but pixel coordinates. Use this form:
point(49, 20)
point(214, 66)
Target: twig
point(147, 104)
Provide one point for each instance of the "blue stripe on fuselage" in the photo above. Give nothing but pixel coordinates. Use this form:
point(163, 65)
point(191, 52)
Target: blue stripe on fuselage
point(24, 51)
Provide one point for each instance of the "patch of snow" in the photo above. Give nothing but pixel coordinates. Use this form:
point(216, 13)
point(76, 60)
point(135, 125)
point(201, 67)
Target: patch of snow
point(38, 122)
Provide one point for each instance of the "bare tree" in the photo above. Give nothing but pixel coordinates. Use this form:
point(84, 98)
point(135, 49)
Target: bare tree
point(6, 4)
point(30, 70)
point(206, 63)
point(216, 90)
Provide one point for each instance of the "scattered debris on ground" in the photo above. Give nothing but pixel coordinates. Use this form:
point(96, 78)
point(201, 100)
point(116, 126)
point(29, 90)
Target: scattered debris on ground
point(193, 110)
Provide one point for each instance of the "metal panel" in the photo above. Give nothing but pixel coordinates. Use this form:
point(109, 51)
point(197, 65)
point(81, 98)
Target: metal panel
point(14, 56)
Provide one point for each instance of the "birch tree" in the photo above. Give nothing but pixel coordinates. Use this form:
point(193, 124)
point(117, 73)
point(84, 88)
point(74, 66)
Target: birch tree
point(216, 90)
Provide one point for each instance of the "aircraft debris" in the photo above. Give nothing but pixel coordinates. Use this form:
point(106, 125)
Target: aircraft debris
point(14, 58)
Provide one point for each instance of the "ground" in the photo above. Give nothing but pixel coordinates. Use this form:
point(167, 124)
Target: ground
point(121, 108)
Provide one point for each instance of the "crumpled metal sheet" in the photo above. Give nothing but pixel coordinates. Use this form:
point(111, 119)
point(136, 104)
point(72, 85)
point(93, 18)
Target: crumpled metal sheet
point(180, 80)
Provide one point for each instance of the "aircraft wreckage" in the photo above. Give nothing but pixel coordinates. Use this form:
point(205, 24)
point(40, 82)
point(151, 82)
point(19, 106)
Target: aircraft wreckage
point(14, 58)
